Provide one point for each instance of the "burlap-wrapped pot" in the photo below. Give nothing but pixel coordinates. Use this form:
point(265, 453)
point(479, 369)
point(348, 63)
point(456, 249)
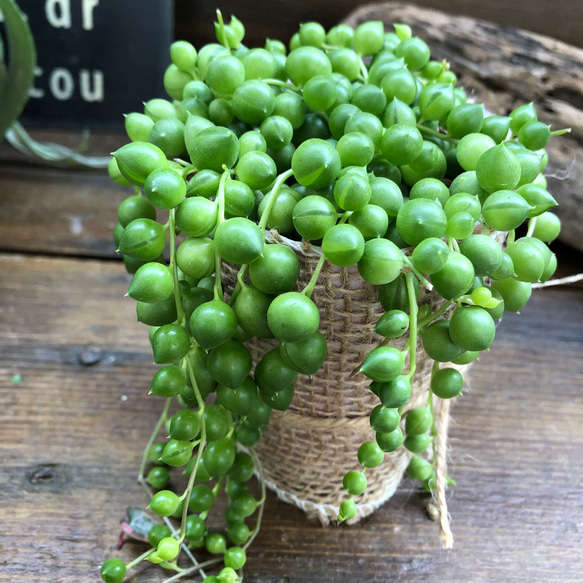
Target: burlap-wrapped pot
point(306, 451)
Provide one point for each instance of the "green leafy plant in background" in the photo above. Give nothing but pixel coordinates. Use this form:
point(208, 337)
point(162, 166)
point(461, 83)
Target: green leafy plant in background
point(16, 78)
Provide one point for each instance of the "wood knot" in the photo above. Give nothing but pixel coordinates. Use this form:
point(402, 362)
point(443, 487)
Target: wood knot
point(89, 356)
point(45, 477)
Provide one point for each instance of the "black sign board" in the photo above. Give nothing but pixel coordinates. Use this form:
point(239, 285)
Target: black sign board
point(96, 60)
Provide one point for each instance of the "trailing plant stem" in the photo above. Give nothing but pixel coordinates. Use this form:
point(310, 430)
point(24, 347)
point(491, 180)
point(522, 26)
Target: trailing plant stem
point(283, 84)
point(174, 266)
point(425, 130)
point(191, 570)
point(308, 290)
point(363, 70)
point(434, 315)
point(419, 276)
point(157, 428)
point(218, 289)
point(140, 558)
point(201, 447)
point(272, 198)
point(262, 501)
point(412, 325)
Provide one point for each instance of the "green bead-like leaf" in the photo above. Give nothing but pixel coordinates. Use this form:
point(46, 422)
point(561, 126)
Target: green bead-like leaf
point(383, 364)
point(152, 282)
point(138, 159)
point(498, 169)
point(143, 239)
point(213, 148)
point(170, 343)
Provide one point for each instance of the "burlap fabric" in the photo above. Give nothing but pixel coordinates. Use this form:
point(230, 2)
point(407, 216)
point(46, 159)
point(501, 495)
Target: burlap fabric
point(306, 451)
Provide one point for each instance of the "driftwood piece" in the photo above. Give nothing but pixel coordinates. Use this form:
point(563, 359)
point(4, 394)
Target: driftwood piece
point(503, 68)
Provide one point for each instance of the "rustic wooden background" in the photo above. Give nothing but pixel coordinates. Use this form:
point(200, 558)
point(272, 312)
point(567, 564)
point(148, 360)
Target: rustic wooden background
point(71, 433)
point(560, 19)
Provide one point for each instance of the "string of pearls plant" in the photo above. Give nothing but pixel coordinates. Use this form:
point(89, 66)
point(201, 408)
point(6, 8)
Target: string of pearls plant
point(358, 142)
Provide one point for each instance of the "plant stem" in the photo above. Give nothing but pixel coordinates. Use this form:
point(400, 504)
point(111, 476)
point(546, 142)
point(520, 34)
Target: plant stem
point(561, 132)
point(157, 428)
point(434, 315)
point(345, 217)
point(272, 198)
point(218, 289)
point(224, 41)
point(531, 226)
point(412, 325)
point(261, 507)
point(218, 485)
point(240, 283)
point(284, 84)
point(139, 559)
point(363, 70)
point(188, 167)
point(431, 408)
point(419, 275)
point(187, 361)
point(201, 447)
point(19, 139)
point(191, 570)
point(308, 290)
point(425, 130)
point(453, 244)
point(241, 275)
point(174, 267)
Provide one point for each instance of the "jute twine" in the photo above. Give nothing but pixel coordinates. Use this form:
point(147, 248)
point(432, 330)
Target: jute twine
point(306, 451)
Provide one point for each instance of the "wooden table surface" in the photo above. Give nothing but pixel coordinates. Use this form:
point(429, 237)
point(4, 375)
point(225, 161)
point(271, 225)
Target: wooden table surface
point(71, 434)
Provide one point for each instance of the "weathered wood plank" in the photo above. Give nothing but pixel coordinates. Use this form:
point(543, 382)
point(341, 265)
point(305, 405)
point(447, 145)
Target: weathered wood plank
point(58, 211)
point(516, 439)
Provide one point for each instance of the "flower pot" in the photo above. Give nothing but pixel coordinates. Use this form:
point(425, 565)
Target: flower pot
point(306, 450)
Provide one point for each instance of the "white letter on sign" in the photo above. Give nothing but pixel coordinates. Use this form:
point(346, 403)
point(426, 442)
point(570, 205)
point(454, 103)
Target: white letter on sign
point(34, 91)
point(88, 93)
point(88, 7)
point(60, 18)
point(61, 84)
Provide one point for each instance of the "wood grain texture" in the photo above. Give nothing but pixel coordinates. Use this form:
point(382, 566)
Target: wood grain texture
point(59, 211)
point(71, 437)
point(506, 67)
